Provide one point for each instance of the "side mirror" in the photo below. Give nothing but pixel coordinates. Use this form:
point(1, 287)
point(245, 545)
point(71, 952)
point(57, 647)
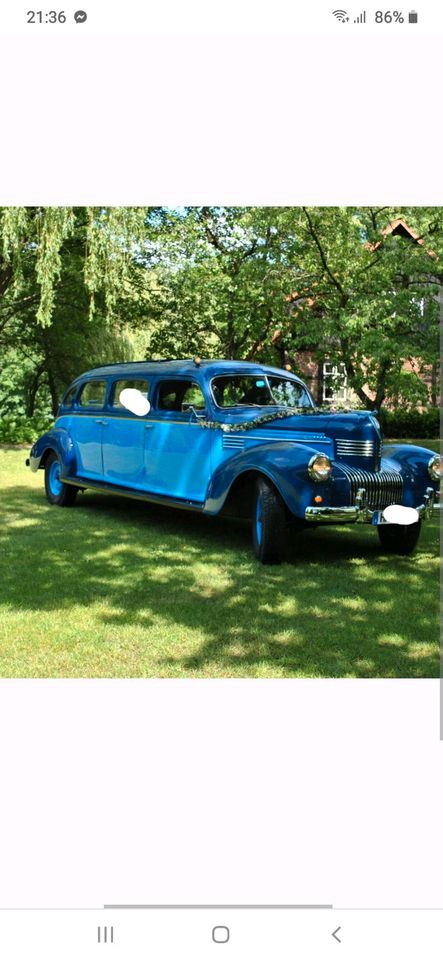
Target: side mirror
point(134, 401)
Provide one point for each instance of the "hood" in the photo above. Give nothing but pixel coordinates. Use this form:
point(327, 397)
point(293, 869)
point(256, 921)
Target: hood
point(356, 436)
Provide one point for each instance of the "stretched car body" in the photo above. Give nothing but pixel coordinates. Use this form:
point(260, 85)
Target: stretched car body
point(223, 435)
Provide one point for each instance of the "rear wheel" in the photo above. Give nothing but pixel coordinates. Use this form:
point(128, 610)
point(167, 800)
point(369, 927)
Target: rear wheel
point(268, 523)
point(399, 539)
point(58, 493)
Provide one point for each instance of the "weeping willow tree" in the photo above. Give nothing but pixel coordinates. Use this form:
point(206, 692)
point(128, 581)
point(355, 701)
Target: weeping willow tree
point(69, 286)
point(113, 237)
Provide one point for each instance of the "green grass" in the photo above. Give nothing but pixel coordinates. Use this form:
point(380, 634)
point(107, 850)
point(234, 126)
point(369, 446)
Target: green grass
point(111, 588)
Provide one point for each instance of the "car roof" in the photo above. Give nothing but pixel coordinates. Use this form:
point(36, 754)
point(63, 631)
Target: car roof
point(168, 368)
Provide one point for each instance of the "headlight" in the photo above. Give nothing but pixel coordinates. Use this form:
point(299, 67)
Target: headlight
point(319, 467)
point(434, 468)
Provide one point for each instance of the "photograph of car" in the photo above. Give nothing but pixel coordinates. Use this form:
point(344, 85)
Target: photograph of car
point(241, 405)
point(237, 437)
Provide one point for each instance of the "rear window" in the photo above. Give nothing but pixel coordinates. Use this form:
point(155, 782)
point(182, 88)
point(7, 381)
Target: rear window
point(93, 394)
point(119, 385)
point(69, 396)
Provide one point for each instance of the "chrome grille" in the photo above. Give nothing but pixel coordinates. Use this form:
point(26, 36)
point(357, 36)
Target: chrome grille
point(382, 488)
point(354, 448)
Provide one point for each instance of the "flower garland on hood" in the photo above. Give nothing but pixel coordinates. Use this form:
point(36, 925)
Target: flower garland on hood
point(266, 418)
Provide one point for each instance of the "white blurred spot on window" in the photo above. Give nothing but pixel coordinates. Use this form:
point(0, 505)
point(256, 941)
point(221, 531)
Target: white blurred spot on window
point(135, 402)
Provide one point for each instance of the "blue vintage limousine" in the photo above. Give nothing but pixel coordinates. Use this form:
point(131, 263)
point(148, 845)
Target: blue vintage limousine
point(239, 437)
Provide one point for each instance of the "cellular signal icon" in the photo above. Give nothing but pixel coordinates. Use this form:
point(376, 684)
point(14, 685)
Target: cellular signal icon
point(340, 15)
point(361, 18)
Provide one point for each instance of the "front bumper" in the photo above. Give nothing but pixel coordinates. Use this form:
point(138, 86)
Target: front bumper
point(33, 463)
point(361, 513)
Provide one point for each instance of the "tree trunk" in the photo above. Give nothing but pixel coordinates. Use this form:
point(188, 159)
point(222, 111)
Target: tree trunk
point(31, 395)
point(52, 391)
point(381, 385)
point(350, 371)
point(435, 383)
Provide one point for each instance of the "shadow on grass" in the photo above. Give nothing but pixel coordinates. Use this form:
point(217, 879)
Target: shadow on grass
point(337, 607)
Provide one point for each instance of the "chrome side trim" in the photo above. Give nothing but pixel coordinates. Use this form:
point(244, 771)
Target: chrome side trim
point(308, 441)
point(232, 441)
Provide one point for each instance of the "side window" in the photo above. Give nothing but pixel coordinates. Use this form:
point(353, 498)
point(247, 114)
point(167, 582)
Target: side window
point(68, 398)
point(180, 396)
point(193, 397)
point(93, 394)
point(119, 385)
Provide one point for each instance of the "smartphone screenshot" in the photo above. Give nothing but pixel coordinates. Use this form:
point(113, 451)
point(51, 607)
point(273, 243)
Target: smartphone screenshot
point(221, 292)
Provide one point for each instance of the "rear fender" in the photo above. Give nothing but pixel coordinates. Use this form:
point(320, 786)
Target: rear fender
point(59, 440)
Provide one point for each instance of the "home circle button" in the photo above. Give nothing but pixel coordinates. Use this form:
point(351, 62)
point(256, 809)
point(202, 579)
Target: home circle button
point(220, 934)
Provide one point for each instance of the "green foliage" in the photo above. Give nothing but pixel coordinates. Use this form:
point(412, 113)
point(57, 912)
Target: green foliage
point(407, 424)
point(255, 283)
point(19, 429)
point(82, 286)
point(47, 333)
point(112, 238)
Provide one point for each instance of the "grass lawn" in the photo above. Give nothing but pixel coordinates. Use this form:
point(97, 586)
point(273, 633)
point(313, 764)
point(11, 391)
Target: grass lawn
point(112, 588)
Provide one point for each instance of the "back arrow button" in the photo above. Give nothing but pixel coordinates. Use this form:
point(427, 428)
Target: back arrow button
point(334, 934)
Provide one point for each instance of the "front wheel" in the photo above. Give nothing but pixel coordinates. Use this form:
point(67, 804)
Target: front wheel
point(57, 492)
point(399, 539)
point(268, 523)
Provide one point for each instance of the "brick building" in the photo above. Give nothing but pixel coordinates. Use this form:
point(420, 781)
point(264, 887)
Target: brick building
point(328, 380)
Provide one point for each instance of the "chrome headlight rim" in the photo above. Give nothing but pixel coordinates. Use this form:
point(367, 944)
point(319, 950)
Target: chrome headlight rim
point(434, 467)
point(314, 475)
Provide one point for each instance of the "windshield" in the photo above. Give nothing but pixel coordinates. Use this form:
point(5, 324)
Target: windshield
point(264, 390)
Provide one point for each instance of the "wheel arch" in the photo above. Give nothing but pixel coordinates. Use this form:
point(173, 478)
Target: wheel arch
point(58, 441)
point(239, 499)
point(44, 457)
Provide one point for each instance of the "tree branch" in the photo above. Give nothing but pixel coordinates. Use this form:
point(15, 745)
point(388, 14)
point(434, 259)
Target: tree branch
point(326, 266)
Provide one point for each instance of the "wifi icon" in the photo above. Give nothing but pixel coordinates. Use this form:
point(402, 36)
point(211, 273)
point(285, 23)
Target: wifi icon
point(341, 15)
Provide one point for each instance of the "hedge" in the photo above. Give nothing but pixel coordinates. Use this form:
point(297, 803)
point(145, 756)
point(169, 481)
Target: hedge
point(410, 424)
point(16, 429)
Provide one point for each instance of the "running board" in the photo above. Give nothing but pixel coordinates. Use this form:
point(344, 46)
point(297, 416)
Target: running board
point(104, 487)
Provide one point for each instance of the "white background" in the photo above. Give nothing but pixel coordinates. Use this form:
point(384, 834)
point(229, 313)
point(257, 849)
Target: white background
point(225, 791)
point(302, 109)
point(201, 791)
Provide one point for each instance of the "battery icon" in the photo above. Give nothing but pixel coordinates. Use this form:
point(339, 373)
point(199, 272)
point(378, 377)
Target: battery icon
point(413, 16)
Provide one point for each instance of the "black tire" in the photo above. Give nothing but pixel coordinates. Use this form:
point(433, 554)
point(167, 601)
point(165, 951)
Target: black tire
point(268, 523)
point(399, 539)
point(57, 493)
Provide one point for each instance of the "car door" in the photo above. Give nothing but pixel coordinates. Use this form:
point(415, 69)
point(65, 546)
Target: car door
point(87, 428)
point(178, 446)
point(124, 436)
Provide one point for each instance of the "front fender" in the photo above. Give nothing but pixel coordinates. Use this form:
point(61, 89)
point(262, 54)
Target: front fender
point(57, 439)
point(285, 464)
point(412, 462)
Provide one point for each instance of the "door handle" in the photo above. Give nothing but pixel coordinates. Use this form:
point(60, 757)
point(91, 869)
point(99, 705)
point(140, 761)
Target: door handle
point(104, 423)
point(149, 426)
